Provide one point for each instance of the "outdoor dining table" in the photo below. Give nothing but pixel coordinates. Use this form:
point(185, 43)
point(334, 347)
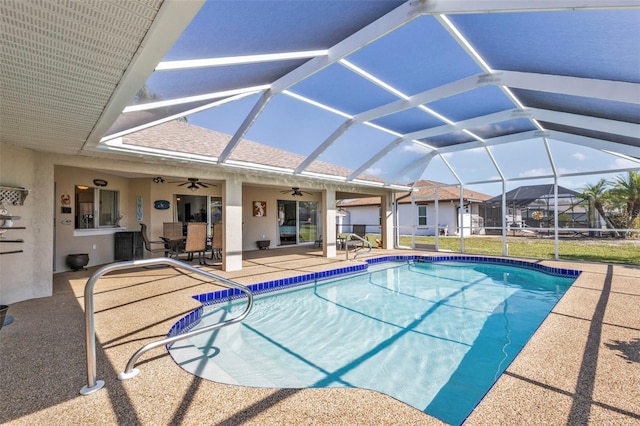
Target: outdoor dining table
point(174, 244)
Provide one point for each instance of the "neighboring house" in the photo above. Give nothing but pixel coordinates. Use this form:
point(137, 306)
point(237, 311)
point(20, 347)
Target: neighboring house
point(417, 210)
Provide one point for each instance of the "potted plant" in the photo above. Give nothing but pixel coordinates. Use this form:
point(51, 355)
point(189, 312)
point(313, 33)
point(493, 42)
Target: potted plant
point(3, 314)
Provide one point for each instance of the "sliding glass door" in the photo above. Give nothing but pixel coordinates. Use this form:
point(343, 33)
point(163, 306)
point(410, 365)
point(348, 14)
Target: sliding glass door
point(298, 222)
point(193, 208)
point(308, 222)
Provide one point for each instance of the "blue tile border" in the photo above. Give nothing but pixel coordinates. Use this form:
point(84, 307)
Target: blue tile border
point(193, 318)
point(559, 272)
point(185, 323)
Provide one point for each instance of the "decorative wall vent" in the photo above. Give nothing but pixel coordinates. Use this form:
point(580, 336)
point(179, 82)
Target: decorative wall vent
point(11, 195)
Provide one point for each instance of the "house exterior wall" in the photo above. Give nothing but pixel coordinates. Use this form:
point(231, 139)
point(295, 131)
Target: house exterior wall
point(386, 222)
point(232, 222)
point(48, 241)
point(264, 227)
point(151, 192)
point(343, 221)
point(97, 243)
point(27, 275)
point(447, 218)
point(363, 215)
point(328, 219)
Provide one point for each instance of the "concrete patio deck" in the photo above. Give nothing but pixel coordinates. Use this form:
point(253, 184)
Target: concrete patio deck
point(582, 366)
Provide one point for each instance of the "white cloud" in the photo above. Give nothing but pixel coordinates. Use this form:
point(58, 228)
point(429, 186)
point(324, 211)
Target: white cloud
point(623, 163)
point(374, 171)
point(536, 172)
point(415, 147)
point(579, 156)
point(495, 127)
point(564, 170)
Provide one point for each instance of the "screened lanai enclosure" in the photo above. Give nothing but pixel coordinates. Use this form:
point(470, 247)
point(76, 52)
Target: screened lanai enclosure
point(480, 95)
point(532, 208)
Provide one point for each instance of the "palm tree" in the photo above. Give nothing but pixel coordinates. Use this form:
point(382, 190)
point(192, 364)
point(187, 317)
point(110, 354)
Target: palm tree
point(596, 195)
point(145, 95)
point(627, 191)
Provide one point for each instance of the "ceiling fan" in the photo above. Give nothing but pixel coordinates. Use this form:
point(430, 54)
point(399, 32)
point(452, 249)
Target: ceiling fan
point(296, 192)
point(195, 184)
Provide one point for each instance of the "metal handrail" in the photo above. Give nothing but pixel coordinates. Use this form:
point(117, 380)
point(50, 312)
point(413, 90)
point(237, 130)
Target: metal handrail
point(352, 236)
point(92, 384)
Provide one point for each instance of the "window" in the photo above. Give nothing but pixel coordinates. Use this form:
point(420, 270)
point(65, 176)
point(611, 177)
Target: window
point(107, 212)
point(422, 215)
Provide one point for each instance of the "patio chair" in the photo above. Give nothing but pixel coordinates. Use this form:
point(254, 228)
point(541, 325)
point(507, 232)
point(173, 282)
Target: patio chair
point(172, 229)
point(172, 235)
point(360, 231)
point(216, 241)
point(318, 242)
point(147, 242)
point(196, 241)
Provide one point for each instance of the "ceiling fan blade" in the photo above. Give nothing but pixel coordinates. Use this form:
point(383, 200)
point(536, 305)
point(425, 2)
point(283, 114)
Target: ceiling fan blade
point(183, 183)
point(202, 184)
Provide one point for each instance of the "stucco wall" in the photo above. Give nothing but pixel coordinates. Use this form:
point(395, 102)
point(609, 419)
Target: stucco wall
point(365, 215)
point(265, 227)
point(369, 215)
point(28, 274)
point(446, 217)
point(152, 192)
point(100, 247)
point(47, 240)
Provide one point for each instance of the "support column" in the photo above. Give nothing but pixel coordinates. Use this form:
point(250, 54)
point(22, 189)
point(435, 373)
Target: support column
point(232, 224)
point(329, 223)
point(386, 221)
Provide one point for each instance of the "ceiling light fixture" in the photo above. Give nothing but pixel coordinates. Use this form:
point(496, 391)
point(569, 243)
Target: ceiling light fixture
point(158, 179)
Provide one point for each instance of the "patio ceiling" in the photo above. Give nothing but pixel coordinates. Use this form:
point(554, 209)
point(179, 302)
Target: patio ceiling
point(381, 88)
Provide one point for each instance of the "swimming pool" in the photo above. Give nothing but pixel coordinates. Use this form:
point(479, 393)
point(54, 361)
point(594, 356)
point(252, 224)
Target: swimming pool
point(435, 335)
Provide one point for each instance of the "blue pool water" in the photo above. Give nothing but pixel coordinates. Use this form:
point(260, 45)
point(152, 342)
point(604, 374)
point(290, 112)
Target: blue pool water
point(434, 335)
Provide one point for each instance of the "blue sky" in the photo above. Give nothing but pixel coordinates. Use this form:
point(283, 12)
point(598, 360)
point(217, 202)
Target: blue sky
point(416, 57)
point(527, 158)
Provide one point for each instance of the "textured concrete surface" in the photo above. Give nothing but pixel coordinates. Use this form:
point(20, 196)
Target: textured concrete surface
point(581, 367)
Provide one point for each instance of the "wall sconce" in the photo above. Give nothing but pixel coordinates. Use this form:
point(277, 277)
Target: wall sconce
point(82, 187)
point(100, 182)
point(158, 179)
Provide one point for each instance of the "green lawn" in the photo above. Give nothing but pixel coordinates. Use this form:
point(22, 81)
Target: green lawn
point(625, 251)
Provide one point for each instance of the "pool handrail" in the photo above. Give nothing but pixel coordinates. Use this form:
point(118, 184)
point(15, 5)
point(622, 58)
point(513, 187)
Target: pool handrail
point(351, 237)
point(94, 385)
